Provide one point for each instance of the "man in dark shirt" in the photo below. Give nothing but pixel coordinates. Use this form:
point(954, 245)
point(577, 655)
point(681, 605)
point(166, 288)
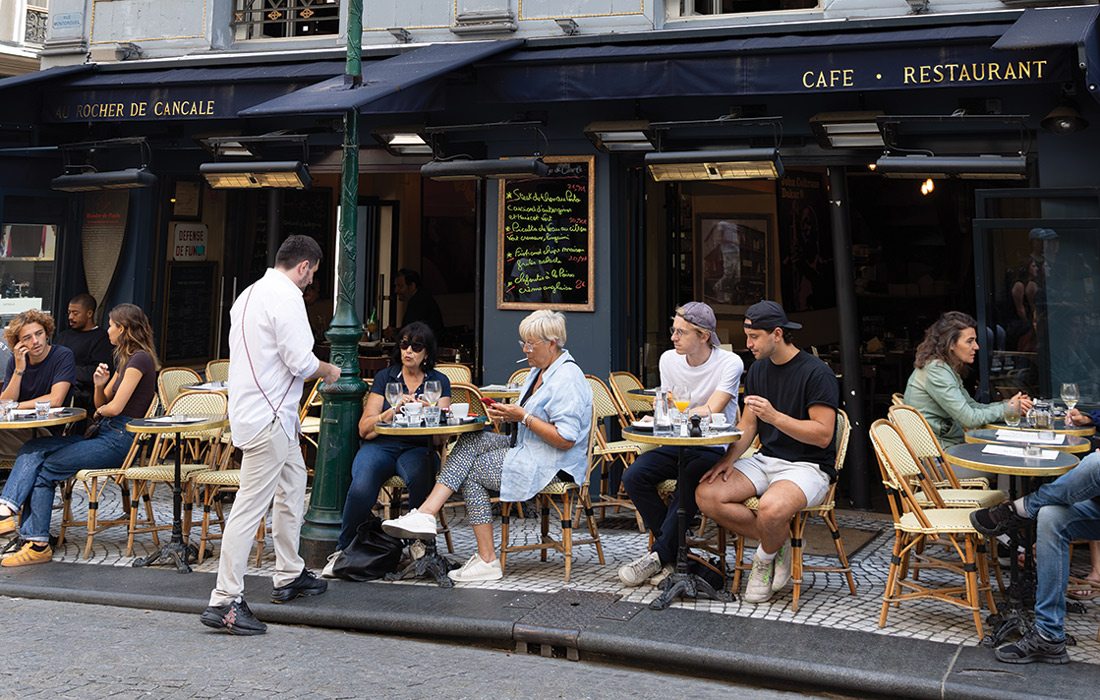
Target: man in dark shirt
point(1064, 510)
point(90, 347)
point(791, 399)
point(419, 304)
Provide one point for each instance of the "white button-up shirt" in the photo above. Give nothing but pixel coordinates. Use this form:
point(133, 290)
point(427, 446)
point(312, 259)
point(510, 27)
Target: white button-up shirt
point(271, 353)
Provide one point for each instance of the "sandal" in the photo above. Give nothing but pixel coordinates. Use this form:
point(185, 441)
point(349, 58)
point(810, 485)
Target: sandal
point(1082, 588)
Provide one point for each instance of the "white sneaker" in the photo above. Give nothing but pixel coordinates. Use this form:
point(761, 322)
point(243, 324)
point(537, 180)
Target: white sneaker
point(661, 575)
point(638, 571)
point(477, 569)
point(413, 525)
point(327, 571)
point(782, 572)
point(759, 586)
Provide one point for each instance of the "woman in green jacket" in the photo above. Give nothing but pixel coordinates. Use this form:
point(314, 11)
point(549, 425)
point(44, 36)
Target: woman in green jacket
point(935, 387)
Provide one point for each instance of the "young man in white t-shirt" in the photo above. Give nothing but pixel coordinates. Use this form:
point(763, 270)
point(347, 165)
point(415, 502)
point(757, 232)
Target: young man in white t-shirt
point(712, 377)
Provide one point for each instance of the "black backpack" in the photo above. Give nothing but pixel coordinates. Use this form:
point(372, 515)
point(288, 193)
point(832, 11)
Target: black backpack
point(371, 555)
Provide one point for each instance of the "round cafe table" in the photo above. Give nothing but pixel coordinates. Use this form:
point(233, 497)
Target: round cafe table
point(649, 395)
point(1023, 472)
point(1073, 444)
point(64, 416)
point(432, 564)
point(681, 584)
point(1077, 430)
point(175, 551)
point(500, 394)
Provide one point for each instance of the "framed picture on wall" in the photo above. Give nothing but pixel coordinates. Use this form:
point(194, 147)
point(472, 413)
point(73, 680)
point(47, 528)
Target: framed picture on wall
point(731, 261)
point(187, 201)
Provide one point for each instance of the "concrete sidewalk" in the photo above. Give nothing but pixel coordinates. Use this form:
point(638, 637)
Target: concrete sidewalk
point(595, 625)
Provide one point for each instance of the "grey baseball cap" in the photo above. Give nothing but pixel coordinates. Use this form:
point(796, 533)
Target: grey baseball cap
point(699, 314)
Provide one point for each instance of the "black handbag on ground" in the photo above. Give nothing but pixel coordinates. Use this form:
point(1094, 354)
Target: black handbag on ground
point(371, 555)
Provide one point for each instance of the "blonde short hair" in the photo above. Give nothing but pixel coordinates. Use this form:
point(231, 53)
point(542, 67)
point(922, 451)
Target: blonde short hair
point(544, 324)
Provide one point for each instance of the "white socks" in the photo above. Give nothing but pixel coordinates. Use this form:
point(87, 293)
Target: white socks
point(764, 556)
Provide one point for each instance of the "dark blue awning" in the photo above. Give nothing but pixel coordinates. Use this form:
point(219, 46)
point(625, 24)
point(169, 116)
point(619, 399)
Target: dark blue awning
point(794, 63)
point(382, 79)
point(43, 75)
point(1058, 27)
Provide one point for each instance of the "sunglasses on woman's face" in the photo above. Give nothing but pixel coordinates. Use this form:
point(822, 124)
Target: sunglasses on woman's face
point(416, 347)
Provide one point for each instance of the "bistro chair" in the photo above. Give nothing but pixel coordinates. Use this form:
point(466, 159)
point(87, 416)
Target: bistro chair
point(457, 373)
point(207, 488)
point(171, 380)
point(633, 407)
point(217, 371)
point(567, 500)
point(915, 525)
point(519, 376)
point(607, 451)
point(922, 441)
point(827, 511)
point(310, 413)
point(897, 399)
point(95, 482)
point(202, 450)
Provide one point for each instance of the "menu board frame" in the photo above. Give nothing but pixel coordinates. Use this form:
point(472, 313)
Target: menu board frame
point(208, 270)
point(501, 281)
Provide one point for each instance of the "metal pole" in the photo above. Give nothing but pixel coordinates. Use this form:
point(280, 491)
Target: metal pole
point(274, 224)
point(852, 399)
point(341, 402)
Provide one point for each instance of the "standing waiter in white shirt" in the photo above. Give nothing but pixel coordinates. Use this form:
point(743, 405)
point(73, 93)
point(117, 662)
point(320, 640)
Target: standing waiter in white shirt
point(271, 353)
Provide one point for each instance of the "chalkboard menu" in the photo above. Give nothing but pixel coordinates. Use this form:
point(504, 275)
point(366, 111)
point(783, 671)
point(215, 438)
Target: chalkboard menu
point(544, 254)
point(189, 312)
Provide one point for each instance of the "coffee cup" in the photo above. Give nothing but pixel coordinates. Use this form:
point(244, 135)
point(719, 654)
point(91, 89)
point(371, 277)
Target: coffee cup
point(718, 420)
point(460, 410)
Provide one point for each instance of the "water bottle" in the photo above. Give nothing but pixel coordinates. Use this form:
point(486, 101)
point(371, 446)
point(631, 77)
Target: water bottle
point(662, 420)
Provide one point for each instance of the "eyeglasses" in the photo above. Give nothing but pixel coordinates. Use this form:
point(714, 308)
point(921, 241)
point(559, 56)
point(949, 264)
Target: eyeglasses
point(677, 332)
point(528, 346)
point(416, 347)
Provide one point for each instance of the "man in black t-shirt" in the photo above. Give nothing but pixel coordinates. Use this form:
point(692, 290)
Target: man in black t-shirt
point(791, 399)
point(90, 347)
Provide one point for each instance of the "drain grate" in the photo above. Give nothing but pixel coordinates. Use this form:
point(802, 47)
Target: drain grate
point(557, 621)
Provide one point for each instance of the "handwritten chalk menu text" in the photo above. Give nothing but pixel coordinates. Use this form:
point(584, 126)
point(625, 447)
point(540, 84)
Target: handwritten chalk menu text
point(544, 257)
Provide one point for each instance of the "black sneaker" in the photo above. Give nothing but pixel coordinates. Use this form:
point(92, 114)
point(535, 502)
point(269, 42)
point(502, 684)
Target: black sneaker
point(235, 618)
point(996, 520)
point(1033, 647)
point(306, 584)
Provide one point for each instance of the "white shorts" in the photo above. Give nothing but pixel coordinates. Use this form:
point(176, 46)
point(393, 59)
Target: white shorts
point(764, 471)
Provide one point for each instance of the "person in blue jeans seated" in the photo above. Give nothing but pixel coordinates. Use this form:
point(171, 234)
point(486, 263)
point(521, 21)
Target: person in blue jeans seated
point(712, 377)
point(36, 371)
point(383, 456)
point(791, 399)
point(42, 463)
point(553, 421)
point(1064, 510)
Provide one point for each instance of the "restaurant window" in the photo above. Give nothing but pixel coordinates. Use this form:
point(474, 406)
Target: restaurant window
point(281, 19)
point(27, 268)
point(695, 8)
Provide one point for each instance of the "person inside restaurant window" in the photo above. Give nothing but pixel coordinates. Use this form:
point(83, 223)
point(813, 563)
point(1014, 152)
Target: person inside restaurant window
point(1064, 510)
point(791, 399)
point(553, 418)
point(420, 305)
point(935, 388)
point(318, 310)
point(712, 377)
point(90, 345)
point(383, 456)
point(37, 371)
point(44, 462)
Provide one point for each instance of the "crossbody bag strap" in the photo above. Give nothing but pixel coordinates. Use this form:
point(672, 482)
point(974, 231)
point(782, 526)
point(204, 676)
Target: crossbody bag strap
point(252, 367)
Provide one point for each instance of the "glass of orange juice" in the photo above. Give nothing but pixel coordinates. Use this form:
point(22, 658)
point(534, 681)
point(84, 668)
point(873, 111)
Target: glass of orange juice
point(681, 399)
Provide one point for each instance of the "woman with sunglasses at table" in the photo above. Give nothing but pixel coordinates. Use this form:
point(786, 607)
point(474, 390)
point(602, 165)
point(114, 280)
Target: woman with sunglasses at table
point(381, 457)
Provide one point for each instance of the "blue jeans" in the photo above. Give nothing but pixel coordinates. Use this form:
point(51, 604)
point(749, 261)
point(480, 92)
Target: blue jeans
point(1065, 511)
point(43, 462)
point(650, 469)
point(376, 461)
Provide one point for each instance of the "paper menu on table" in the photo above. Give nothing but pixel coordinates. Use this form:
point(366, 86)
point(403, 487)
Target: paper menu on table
point(494, 387)
point(1029, 436)
point(1006, 451)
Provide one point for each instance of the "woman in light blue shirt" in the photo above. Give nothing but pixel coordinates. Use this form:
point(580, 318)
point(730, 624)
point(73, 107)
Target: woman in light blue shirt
point(553, 419)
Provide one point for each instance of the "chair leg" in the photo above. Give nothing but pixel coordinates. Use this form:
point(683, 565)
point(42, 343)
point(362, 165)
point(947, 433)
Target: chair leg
point(147, 498)
point(830, 522)
point(544, 525)
point(446, 532)
point(970, 569)
point(134, 500)
point(589, 515)
point(66, 509)
point(261, 532)
point(892, 577)
point(983, 577)
point(204, 529)
point(739, 554)
point(505, 516)
point(799, 527)
point(93, 490)
point(566, 534)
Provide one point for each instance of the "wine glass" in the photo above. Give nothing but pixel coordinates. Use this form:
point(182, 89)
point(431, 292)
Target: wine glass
point(393, 393)
point(432, 391)
point(1070, 395)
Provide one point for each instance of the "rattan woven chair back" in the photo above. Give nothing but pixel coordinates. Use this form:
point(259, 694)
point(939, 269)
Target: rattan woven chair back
point(519, 376)
point(621, 384)
point(455, 372)
point(463, 392)
point(217, 371)
point(171, 381)
point(603, 403)
point(900, 463)
point(897, 399)
point(923, 442)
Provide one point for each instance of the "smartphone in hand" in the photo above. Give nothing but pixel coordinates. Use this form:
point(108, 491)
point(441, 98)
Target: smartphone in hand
point(488, 401)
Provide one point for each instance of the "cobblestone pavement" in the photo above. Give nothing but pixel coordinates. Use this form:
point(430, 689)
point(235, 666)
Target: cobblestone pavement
point(825, 598)
point(110, 652)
